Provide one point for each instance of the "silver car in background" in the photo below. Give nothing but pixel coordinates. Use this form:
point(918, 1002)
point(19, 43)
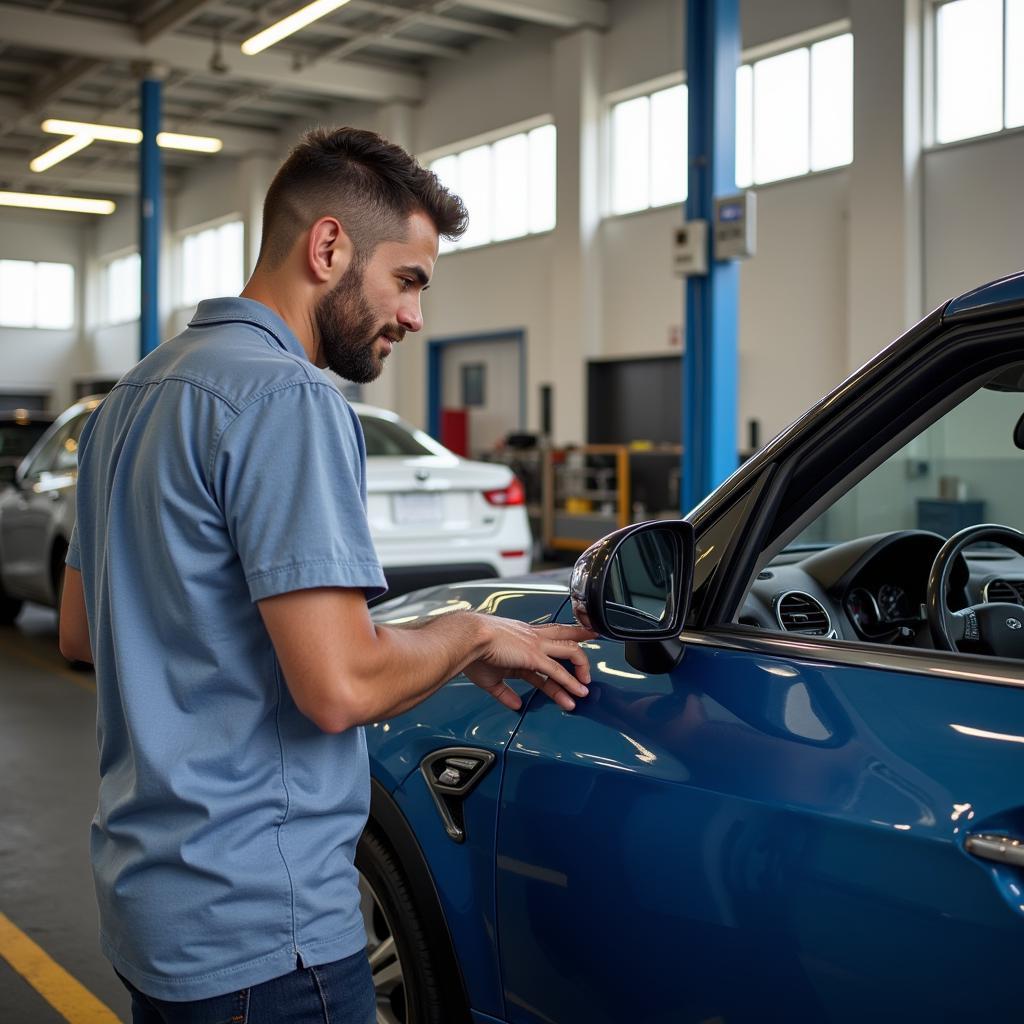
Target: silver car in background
point(37, 514)
point(434, 517)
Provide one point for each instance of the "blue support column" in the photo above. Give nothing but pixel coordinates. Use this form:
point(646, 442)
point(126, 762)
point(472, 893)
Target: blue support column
point(150, 215)
point(710, 377)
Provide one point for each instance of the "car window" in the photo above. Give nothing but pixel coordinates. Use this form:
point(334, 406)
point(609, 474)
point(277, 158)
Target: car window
point(963, 470)
point(384, 437)
point(43, 460)
point(66, 457)
point(859, 565)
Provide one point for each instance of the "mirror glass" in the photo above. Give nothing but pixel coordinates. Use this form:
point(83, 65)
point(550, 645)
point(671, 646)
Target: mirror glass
point(640, 588)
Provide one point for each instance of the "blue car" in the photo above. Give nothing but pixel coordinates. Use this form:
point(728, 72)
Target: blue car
point(796, 790)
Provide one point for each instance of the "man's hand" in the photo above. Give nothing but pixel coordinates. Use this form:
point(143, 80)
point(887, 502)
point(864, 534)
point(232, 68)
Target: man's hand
point(514, 649)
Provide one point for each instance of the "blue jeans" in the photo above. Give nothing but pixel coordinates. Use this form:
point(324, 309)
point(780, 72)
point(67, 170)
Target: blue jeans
point(337, 993)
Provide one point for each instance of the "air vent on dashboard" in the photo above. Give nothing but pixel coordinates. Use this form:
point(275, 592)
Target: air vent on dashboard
point(800, 613)
point(1003, 590)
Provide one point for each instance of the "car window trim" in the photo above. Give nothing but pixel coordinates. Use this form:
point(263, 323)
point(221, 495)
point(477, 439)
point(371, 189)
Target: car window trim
point(956, 666)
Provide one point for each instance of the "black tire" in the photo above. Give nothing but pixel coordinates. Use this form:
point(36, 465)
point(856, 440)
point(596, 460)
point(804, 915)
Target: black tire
point(390, 913)
point(10, 607)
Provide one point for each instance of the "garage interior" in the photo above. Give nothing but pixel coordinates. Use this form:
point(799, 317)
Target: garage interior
point(882, 140)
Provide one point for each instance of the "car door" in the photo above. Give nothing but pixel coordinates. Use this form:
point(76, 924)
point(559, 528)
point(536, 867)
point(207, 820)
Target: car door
point(775, 828)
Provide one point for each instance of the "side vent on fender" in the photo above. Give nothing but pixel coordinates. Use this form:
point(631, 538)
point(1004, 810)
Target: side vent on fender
point(800, 613)
point(1000, 590)
point(451, 775)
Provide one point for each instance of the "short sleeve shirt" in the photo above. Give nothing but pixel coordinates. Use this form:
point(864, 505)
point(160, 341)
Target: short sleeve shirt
point(223, 469)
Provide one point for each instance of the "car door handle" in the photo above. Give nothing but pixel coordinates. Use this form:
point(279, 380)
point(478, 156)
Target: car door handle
point(1002, 849)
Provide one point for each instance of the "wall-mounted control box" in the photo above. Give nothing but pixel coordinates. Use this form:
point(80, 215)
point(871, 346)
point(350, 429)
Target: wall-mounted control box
point(735, 226)
point(690, 248)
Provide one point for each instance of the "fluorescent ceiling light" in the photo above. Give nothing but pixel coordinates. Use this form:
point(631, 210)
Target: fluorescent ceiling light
point(286, 26)
point(59, 152)
point(133, 136)
point(193, 143)
point(104, 132)
point(73, 204)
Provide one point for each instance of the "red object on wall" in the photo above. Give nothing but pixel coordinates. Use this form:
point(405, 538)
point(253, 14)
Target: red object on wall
point(455, 431)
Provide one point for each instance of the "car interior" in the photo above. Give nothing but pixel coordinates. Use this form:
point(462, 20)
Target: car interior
point(860, 569)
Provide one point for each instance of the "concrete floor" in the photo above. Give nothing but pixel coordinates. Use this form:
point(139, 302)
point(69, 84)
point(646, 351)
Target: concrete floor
point(47, 799)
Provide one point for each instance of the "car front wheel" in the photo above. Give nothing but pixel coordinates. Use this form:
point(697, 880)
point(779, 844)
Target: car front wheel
point(402, 960)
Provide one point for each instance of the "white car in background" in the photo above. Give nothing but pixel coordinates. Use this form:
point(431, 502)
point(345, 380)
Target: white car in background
point(434, 517)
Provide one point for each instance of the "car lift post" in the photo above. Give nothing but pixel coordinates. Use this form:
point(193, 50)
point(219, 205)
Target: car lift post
point(710, 378)
point(150, 215)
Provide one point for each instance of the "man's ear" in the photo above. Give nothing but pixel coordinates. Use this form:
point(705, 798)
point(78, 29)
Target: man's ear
point(329, 250)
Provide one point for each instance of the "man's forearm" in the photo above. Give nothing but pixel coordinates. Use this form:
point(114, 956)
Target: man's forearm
point(418, 659)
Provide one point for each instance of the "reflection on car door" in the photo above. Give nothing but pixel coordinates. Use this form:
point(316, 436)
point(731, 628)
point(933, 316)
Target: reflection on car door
point(761, 836)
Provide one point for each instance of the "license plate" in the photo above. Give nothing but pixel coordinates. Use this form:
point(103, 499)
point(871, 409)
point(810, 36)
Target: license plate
point(418, 509)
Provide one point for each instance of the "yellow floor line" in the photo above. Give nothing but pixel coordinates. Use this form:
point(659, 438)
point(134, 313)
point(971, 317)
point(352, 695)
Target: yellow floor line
point(81, 681)
point(75, 1003)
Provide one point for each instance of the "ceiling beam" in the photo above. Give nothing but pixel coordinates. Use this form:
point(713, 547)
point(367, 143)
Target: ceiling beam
point(328, 28)
point(170, 18)
point(405, 45)
point(88, 37)
point(445, 21)
point(70, 73)
point(237, 141)
point(15, 175)
point(559, 13)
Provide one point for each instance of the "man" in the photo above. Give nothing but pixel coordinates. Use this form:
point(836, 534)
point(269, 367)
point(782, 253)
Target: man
point(219, 575)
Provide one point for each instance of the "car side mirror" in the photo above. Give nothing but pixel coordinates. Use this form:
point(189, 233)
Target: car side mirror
point(8, 474)
point(634, 585)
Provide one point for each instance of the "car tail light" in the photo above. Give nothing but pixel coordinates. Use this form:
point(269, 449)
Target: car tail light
point(511, 495)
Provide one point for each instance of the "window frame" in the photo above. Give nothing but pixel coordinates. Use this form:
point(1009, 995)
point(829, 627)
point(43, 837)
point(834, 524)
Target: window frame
point(931, 140)
point(489, 139)
point(749, 56)
point(75, 304)
point(180, 303)
point(106, 262)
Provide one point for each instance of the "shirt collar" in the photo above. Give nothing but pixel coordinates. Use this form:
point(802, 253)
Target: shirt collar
point(237, 309)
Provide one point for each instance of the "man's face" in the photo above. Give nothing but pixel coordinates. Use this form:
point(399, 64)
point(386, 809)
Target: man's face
point(373, 305)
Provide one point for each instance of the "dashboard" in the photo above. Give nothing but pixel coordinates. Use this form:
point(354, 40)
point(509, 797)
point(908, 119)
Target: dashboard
point(873, 588)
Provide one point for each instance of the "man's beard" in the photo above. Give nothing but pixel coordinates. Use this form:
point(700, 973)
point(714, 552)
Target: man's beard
point(348, 330)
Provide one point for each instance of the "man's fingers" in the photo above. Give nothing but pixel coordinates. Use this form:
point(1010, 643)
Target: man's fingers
point(561, 677)
point(551, 688)
point(504, 694)
point(566, 650)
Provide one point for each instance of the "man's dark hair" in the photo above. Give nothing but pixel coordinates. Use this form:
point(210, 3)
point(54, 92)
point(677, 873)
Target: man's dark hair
point(371, 185)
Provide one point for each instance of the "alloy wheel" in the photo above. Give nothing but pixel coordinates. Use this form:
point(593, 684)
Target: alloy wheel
point(385, 964)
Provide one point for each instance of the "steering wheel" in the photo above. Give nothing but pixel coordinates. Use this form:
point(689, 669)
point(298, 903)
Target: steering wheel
point(996, 628)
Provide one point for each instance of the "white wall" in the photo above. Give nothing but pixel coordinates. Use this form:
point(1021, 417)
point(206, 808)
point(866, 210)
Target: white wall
point(42, 358)
point(498, 84)
point(500, 287)
point(973, 215)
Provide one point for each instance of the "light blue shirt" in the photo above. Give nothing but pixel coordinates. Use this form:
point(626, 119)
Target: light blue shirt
point(223, 469)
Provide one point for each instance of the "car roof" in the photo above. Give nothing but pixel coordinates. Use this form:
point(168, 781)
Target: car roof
point(1003, 295)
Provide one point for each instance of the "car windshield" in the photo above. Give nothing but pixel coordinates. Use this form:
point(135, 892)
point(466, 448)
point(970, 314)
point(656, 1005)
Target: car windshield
point(385, 437)
point(963, 470)
point(16, 442)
